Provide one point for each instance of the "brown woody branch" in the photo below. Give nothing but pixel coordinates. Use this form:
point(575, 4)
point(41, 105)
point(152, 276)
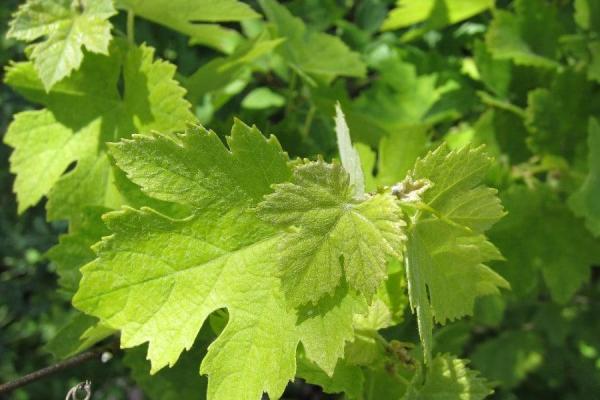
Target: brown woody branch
point(59, 366)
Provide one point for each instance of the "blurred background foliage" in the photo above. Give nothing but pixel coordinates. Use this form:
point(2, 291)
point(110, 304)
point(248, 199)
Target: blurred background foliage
point(522, 79)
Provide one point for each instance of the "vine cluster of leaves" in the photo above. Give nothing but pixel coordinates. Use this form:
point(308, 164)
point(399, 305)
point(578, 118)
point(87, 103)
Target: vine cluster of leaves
point(230, 255)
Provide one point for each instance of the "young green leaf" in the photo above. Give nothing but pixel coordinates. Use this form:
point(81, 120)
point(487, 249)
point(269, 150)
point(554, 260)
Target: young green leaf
point(181, 382)
point(336, 238)
point(448, 377)
point(157, 279)
point(47, 141)
point(65, 26)
point(529, 37)
point(74, 249)
point(585, 201)
point(193, 18)
point(262, 98)
point(558, 121)
point(80, 333)
point(435, 13)
point(397, 101)
point(509, 357)
point(311, 52)
point(347, 379)
point(398, 153)
point(561, 248)
point(587, 14)
point(218, 73)
point(446, 248)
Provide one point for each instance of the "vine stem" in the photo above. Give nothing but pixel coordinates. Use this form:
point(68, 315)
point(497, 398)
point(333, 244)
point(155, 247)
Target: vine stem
point(53, 369)
point(131, 26)
point(308, 121)
point(290, 94)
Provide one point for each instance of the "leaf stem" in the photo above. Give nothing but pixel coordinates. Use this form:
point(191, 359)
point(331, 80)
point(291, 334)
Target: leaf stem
point(308, 121)
point(131, 26)
point(291, 92)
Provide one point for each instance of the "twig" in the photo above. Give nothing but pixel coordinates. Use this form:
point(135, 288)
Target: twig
point(60, 366)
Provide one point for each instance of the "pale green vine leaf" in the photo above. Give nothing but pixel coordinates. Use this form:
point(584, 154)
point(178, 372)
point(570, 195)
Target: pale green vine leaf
point(327, 328)
point(530, 36)
point(587, 14)
point(509, 357)
point(196, 18)
point(74, 249)
point(215, 75)
point(448, 377)
point(585, 202)
point(196, 169)
point(335, 237)
point(43, 149)
point(435, 13)
point(64, 27)
point(182, 382)
point(446, 248)
point(346, 379)
point(262, 98)
point(565, 265)
point(311, 52)
point(157, 279)
point(48, 141)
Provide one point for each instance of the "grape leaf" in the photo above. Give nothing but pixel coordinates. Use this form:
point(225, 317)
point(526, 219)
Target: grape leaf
point(563, 256)
point(509, 357)
point(262, 98)
point(72, 252)
point(396, 156)
point(587, 14)
point(383, 384)
point(326, 327)
point(157, 279)
point(594, 64)
point(180, 382)
point(103, 114)
point(448, 377)
point(191, 17)
point(398, 153)
point(435, 13)
point(398, 100)
point(346, 379)
point(557, 120)
point(446, 248)
point(221, 71)
point(368, 349)
point(74, 249)
point(495, 74)
point(331, 225)
point(311, 52)
point(504, 133)
point(65, 26)
point(43, 149)
point(80, 333)
point(529, 37)
point(584, 202)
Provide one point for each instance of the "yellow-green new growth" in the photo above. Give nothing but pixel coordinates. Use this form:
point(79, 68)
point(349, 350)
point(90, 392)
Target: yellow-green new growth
point(65, 27)
point(446, 248)
point(333, 237)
